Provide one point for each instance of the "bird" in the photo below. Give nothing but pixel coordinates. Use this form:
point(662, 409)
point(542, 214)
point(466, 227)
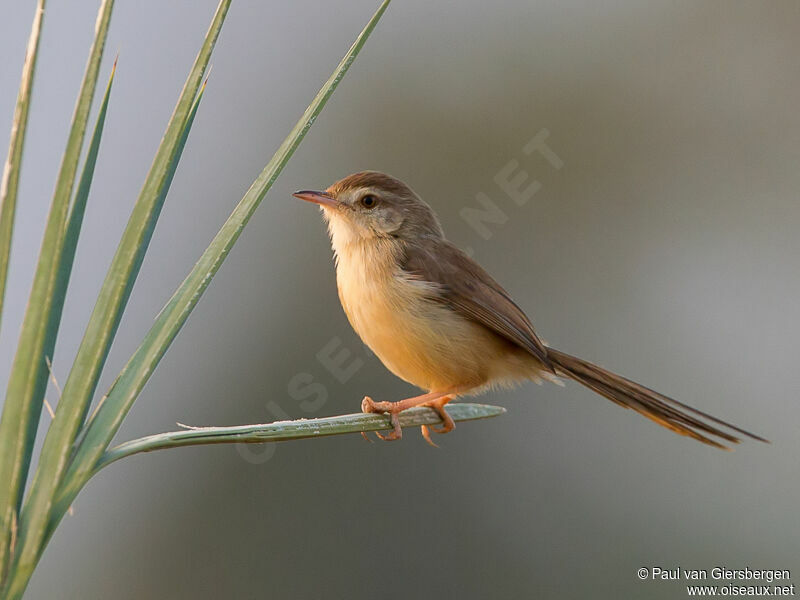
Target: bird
point(438, 320)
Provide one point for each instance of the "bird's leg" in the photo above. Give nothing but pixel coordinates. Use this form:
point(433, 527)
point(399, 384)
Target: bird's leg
point(432, 399)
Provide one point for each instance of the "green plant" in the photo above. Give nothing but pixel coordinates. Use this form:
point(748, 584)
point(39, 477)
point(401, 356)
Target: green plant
point(75, 447)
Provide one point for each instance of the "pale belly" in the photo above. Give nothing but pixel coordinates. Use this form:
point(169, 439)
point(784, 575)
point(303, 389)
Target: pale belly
point(420, 340)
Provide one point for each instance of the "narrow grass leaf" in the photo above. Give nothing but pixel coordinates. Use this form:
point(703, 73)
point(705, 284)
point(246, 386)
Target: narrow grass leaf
point(10, 182)
point(58, 441)
point(283, 431)
point(115, 291)
point(56, 450)
point(137, 371)
point(28, 378)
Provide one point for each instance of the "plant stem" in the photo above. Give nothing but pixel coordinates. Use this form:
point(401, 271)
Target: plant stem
point(281, 431)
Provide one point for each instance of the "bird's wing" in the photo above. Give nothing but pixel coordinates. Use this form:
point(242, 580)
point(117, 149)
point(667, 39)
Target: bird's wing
point(465, 287)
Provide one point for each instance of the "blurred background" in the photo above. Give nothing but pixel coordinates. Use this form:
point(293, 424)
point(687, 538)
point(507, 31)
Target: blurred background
point(665, 247)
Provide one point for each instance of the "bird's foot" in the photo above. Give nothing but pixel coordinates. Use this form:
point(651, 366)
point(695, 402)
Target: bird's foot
point(434, 400)
point(368, 405)
point(447, 421)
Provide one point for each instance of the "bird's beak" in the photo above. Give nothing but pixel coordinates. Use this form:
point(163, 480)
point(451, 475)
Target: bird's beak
point(321, 198)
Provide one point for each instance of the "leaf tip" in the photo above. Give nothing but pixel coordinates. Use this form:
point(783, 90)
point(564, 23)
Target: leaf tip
point(208, 76)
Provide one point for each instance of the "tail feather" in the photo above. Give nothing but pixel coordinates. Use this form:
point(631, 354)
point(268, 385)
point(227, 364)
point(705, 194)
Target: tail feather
point(665, 411)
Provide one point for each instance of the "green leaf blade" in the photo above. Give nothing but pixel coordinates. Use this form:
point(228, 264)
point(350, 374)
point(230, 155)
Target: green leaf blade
point(10, 181)
point(284, 431)
point(135, 374)
point(61, 434)
point(114, 293)
point(118, 284)
point(28, 378)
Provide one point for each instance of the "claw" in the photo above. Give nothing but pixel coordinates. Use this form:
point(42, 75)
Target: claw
point(367, 405)
point(426, 433)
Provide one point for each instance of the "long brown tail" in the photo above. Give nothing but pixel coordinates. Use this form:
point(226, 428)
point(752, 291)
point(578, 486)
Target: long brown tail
point(665, 411)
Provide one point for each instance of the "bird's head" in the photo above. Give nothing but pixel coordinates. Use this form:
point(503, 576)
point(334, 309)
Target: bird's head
point(373, 206)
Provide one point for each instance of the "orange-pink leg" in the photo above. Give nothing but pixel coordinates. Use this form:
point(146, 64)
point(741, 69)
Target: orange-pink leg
point(435, 400)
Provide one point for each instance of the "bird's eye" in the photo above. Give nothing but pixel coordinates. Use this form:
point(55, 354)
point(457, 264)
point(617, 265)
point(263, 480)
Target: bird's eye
point(369, 201)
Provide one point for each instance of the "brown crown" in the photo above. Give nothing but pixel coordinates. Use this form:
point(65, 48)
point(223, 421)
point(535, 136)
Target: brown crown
point(371, 179)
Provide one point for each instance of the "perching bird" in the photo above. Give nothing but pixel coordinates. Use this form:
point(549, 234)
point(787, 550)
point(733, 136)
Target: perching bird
point(437, 320)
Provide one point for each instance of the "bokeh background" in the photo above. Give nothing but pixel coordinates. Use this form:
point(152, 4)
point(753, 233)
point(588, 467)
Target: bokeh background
point(665, 248)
